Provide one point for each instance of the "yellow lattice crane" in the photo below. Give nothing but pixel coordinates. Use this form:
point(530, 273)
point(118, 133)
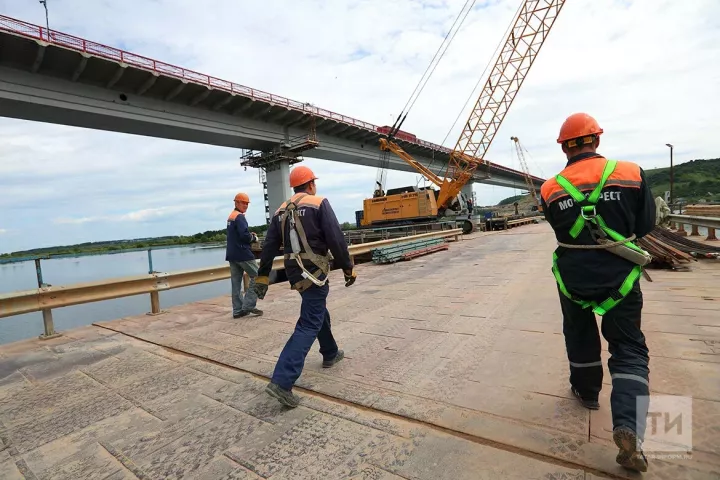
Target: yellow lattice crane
point(525, 37)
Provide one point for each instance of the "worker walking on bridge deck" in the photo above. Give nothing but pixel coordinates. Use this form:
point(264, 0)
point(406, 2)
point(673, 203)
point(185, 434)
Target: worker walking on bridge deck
point(597, 207)
point(241, 258)
point(307, 228)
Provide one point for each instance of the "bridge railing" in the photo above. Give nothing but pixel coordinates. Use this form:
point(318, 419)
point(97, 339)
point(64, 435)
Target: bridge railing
point(46, 298)
point(711, 223)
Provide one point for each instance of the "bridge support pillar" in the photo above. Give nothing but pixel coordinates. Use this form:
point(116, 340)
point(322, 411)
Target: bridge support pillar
point(278, 185)
point(467, 190)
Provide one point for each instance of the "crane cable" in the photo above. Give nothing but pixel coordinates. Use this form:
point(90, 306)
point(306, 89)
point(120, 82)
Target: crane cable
point(431, 68)
point(503, 40)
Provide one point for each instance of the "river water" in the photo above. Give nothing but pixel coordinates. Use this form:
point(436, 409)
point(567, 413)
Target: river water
point(63, 271)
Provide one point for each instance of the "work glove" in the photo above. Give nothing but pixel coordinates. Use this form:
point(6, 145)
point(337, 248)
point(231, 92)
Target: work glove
point(253, 237)
point(350, 277)
point(261, 286)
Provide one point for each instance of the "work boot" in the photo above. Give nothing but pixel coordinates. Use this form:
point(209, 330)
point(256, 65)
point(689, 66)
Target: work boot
point(244, 313)
point(591, 404)
point(329, 363)
point(630, 455)
point(286, 397)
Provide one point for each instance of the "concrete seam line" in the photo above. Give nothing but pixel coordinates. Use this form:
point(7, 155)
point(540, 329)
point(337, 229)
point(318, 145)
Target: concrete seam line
point(432, 426)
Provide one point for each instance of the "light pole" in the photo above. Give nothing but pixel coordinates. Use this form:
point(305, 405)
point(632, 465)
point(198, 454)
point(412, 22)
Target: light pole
point(47, 20)
point(671, 174)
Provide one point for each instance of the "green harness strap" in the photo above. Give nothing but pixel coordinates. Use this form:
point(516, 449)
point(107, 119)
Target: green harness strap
point(588, 215)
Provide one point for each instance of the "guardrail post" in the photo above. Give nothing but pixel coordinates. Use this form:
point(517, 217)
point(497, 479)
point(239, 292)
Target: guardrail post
point(155, 303)
point(694, 232)
point(671, 225)
point(681, 230)
point(150, 265)
point(711, 234)
point(48, 324)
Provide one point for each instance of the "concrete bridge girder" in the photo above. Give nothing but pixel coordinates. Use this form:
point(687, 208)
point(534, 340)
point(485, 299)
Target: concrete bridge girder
point(39, 98)
point(102, 94)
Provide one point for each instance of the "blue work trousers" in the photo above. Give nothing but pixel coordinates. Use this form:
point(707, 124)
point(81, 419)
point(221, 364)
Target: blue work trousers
point(314, 322)
point(628, 363)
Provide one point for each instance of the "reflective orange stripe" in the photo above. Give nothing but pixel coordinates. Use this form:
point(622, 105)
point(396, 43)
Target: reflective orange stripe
point(307, 201)
point(311, 201)
point(586, 174)
point(233, 215)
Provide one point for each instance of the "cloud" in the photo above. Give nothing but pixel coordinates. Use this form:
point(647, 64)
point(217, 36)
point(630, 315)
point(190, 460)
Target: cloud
point(647, 69)
point(74, 221)
point(2, 231)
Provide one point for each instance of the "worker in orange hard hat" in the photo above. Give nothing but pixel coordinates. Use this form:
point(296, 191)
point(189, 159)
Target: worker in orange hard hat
point(306, 227)
point(301, 175)
point(239, 255)
point(597, 207)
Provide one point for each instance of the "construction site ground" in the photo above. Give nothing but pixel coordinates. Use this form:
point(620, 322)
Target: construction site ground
point(455, 368)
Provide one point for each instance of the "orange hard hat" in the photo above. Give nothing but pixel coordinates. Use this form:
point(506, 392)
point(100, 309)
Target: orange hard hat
point(242, 197)
point(578, 125)
point(301, 175)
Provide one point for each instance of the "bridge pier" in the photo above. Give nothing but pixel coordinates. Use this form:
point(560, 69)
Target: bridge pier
point(467, 190)
point(278, 184)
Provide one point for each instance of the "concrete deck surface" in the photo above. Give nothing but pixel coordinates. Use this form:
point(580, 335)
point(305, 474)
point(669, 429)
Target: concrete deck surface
point(455, 368)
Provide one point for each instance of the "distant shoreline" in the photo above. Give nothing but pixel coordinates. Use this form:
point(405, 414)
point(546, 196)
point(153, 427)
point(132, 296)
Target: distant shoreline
point(62, 251)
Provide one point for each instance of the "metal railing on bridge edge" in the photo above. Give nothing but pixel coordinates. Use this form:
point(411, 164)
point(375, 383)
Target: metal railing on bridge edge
point(695, 221)
point(45, 297)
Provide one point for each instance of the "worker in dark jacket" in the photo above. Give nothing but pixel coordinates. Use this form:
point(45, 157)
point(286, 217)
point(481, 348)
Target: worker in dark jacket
point(306, 227)
point(596, 204)
point(241, 258)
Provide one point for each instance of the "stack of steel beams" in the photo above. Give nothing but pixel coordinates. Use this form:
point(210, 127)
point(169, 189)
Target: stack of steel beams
point(670, 250)
point(408, 250)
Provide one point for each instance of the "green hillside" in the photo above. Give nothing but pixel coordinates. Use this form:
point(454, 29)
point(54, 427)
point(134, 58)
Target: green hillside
point(694, 181)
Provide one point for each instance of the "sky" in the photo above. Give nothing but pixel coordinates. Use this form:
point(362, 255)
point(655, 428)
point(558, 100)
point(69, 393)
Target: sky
point(646, 69)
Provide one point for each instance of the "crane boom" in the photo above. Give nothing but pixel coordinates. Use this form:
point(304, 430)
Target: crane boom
point(520, 49)
point(526, 171)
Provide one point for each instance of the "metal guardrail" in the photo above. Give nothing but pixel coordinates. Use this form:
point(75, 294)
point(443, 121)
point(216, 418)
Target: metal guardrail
point(708, 222)
point(711, 223)
point(45, 298)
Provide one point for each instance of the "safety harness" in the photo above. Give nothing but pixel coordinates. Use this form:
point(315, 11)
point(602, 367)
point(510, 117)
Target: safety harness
point(297, 235)
point(599, 231)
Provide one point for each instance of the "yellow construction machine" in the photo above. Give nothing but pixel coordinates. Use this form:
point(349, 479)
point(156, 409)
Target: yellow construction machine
point(525, 37)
